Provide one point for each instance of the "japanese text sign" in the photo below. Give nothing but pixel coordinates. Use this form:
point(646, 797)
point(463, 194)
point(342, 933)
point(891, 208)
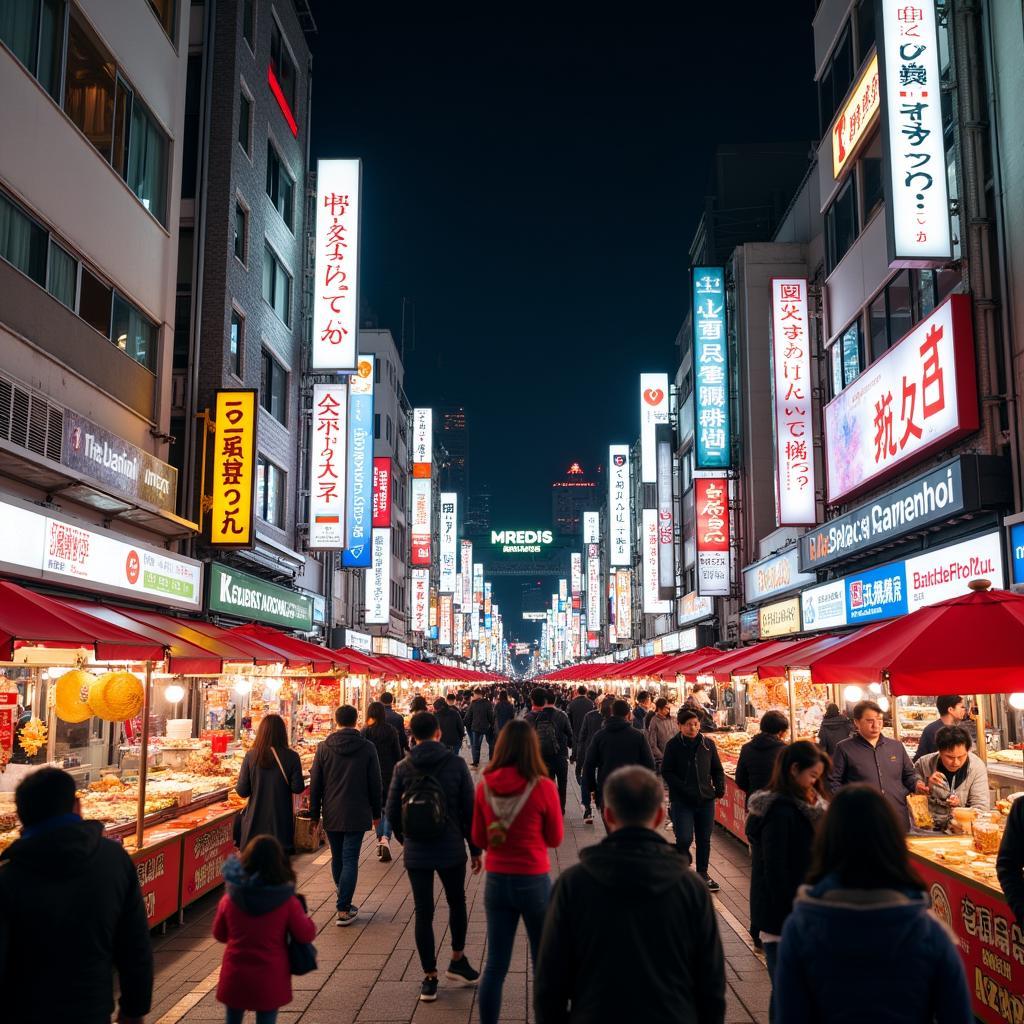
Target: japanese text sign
point(422, 442)
point(851, 125)
point(791, 397)
point(234, 469)
point(711, 495)
point(444, 626)
point(420, 596)
point(336, 267)
point(666, 520)
point(449, 543)
point(359, 517)
point(593, 587)
point(576, 573)
point(921, 395)
point(420, 533)
point(651, 600)
point(327, 472)
point(467, 574)
point(916, 189)
point(711, 369)
point(653, 410)
point(619, 505)
point(591, 528)
point(378, 580)
point(382, 492)
point(623, 605)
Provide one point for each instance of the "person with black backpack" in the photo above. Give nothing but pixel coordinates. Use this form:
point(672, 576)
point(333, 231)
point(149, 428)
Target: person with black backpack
point(430, 807)
point(555, 735)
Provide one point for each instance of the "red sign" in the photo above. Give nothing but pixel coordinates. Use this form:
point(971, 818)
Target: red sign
point(382, 492)
point(712, 507)
point(990, 942)
point(206, 849)
point(731, 810)
point(8, 713)
point(159, 871)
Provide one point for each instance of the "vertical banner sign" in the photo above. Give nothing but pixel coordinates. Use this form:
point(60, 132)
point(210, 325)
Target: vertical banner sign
point(478, 599)
point(459, 633)
point(711, 495)
point(444, 626)
point(623, 605)
point(467, 575)
point(422, 442)
point(653, 411)
point(593, 587)
point(382, 492)
point(653, 605)
point(420, 521)
point(916, 191)
point(666, 525)
point(563, 594)
point(619, 524)
point(378, 580)
point(449, 542)
point(791, 398)
point(327, 474)
point(359, 517)
point(420, 599)
point(234, 469)
point(488, 618)
point(576, 573)
point(591, 527)
point(711, 369)
point(336, 267)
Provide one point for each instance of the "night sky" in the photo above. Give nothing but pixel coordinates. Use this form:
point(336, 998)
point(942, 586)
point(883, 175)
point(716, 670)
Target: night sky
point(532, 188)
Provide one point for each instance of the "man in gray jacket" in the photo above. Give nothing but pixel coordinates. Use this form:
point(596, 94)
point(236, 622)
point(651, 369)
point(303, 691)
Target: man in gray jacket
point(869, 757)
point(660, 728)
point(955, 777)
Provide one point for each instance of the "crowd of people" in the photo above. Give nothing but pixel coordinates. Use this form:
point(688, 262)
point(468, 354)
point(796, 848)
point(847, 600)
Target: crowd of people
point(631, 927)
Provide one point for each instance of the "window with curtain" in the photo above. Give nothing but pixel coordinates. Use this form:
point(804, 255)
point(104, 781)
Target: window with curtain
point(147, 161)
point(62, 275)
point(277, 284)
point(165, 11)
point(89, 86)
point(133, 332)
point(237, 339)
point(33, 30)
point(22, 241)
point(280, 184)
point(94, 297)
point(270, 490)
point(283, 66)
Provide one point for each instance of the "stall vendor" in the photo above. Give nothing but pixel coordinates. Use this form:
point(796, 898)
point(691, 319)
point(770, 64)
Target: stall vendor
point(955, 776)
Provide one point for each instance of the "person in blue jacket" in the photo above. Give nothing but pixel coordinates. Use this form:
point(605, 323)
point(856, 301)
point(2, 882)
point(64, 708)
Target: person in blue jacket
point(861, 943)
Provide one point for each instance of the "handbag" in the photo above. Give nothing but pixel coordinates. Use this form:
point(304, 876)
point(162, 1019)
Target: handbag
point(308, 838)
point(301, 955)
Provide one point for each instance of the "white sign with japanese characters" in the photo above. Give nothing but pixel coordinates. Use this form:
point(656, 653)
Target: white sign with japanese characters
point(619, 520)
point(653, 410)
point(449, 542)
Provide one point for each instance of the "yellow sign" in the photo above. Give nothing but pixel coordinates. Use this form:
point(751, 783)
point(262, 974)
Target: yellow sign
point(856, 117)
point(780, 619)
point(234, 469)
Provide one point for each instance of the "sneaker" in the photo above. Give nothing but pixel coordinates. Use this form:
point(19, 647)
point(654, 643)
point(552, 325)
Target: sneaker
point(588, 817)
point(712, 885)
point(460, 971)
point(345, 918)
point(475, 764)
point(384, 851)
point(428, 990)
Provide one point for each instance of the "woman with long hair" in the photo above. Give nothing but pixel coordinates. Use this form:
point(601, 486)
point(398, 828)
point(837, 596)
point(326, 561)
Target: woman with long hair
point(271, 772)
point(861, 943)
point(255, 918)
point(517, 816)
point(385, 739)
point(781, 820)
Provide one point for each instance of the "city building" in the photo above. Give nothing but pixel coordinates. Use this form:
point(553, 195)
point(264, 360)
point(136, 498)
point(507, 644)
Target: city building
point(453, 435)
point(478, 512)
point(571, 496)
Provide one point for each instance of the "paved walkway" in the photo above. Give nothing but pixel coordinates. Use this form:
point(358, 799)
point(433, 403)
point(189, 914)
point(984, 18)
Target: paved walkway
point(369, 971)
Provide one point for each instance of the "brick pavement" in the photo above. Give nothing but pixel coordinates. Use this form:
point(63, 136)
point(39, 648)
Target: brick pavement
point(369, 972)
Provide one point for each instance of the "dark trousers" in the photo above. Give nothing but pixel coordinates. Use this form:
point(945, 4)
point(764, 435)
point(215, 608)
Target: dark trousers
point(345, 847)
point(584, 795)
point(559, 772)
point(771, 958)
point(694, 821)
point(478, 742)
point(453, 880)
point(507, 898)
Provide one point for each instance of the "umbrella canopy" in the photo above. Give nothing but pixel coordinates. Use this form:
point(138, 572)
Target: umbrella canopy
point(973, 643)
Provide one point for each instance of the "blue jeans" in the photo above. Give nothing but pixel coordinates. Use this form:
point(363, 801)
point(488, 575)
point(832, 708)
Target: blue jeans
point(345, 847)
point(506, 899)
point(478, 742)
point(384, 828)
point(690, 820)
point(262, 1016)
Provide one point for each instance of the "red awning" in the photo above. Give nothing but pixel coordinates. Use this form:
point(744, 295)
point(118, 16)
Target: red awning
point(31, 619)
point(683, 663)
point(745, 660)
point(320, 658)
point(779, 663)
point(360, 664)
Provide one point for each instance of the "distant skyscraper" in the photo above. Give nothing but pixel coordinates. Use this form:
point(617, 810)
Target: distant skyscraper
point(478, 512)
point(454, 437)
point(571, 496)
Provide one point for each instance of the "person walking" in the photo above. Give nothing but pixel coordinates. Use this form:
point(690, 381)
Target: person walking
point(630, 932)
point(256, 917)
point(870, 757)
point(61, 880)
point(593, 723)
point(395, 720)
point(480, 723)
point(453, 729)
point(693, 773)
point(389, 752)
point(659, 728)
point(579, 707)
point(756, 763)
point(516, 818)
point(835, 727)
point(430, 806)
point(864, 915)
point(345, 786)
point(270, 775)
point(615, 746)
point(555, 735)
point(641, 709)
point(504, 712)
point(781, 819)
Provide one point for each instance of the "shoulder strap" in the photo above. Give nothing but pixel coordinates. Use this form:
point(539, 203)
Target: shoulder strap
point(284, 774)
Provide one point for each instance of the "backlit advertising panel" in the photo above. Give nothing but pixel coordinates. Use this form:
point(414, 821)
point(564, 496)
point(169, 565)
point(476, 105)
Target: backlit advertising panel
point(422, 442)
point(233, 475)
point(711, 495)
point(593, 587)
point(359, 518)
point(591, 527)
point(619, 515)
point(420, 527)
point(653, 410)
point(855, 120)
point(419, 600)
point(623, 605)
point(327, 473)
point(378, 580)
point(576, 573)
point(652, 604)
point(449, 544)
point(466, 572)
point(711, 369)
point(666, 523)
point(381, 492)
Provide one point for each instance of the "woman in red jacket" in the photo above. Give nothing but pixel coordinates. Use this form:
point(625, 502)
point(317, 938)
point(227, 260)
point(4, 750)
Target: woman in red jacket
point(516, 817)
point(255, 917)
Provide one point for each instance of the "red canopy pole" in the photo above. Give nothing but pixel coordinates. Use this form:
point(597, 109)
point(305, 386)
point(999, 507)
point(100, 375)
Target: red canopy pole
point(147, 697)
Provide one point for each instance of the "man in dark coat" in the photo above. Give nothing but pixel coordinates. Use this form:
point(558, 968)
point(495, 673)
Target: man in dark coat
point(63, 883)
point(757, 758)
point(663, 938)
point(445, 855)
point(345, 785)
point(555, 735)
point(641, 709)
point(453, 729)
point(1010, 862)
point(395, 719)
point(615, 746)
point(480, 723)
point(579, 707)
point(835, 727)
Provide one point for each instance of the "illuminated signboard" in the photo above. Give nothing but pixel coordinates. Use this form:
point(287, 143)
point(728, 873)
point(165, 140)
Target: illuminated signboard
point(779, 619)
point(711, 369)
point(851, 125)
point(378, 579)
point(712, 499)
point(653, 410)
point(521, 542)
point(445, 625)
point(791, 397)
point(619, 515)
point(233, 477)
point(422, 442)
point(381, 492)
point(449, 546)
point(652, 604)
point(336, 269)
point(466, 573)
point(666, 522)
point(420, 527)
point(623, 605)
point(593, 587)
point(576, 572)
point(327, 472)
point(419, 600)
point(359, 519)
point(591, 527)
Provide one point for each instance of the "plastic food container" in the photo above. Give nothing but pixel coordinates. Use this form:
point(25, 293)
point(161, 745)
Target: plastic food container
point(986, 837)
point(964, 818)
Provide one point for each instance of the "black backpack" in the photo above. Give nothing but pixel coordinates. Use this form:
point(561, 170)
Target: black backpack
point(548, 736)
point(424, 807)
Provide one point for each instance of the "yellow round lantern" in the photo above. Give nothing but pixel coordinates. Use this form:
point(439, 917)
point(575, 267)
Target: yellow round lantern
point(116, 696)
point(72, 692)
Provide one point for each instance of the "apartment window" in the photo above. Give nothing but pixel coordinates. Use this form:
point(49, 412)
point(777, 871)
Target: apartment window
point(901, 311)
point(835, 80)
point(89, 90)
point(245, 123)
point(147, 161)
point(62, 275)
point(865, 29)
point(249, 23)
point(280, 184)
point(388, 428)
point(283, 67)
point(277, 284)
point(847, 357)
point(33, 30)
point(22, 241)
point(165, 11)
point(133, 332)
point(841, 223)
point(241, 231)
point(872, 188)
point(376, 427)
point(376, 371)
point(236, 340)
point(94, 298)
point(274, 388)
point(190, 135)
point(270, 486)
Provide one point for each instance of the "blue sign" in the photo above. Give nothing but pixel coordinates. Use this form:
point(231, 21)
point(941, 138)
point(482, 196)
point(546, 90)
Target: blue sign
point(359, 520)
point(1017, 551)
point(878, 594)
point(710, 370)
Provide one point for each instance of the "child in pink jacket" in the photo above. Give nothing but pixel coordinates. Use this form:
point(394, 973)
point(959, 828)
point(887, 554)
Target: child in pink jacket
point(255, 917)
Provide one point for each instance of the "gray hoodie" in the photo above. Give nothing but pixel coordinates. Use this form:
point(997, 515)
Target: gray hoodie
point(659, 731)
point(972, 791)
